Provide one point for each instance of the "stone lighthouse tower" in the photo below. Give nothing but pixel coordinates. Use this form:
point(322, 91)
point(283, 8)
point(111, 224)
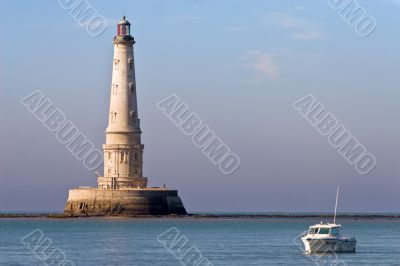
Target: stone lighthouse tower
point(123, 151)
point(123, 189)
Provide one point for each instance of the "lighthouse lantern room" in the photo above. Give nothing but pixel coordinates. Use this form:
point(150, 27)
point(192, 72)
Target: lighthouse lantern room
point(124, 27)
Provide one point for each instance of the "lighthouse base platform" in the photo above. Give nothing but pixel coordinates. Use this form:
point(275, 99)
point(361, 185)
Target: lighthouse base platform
point(129, 202)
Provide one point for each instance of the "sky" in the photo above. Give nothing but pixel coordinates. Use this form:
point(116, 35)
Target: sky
point(240, 66)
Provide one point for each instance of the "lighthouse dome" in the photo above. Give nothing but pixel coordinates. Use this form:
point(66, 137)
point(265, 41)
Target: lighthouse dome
point(124, 21)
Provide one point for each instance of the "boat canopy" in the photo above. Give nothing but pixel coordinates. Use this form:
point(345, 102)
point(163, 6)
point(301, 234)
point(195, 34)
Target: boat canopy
point(325, 225)
point(325, 229)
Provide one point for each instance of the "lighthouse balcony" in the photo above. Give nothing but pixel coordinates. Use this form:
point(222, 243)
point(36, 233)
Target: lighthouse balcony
point(127, 39)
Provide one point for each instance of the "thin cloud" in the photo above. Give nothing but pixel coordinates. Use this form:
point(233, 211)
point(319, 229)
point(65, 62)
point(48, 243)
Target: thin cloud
point(262, 63)
point(299, 28)
point(308, 35)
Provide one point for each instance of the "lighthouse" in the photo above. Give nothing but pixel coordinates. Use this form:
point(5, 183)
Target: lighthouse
point(123, 151)
point(123, 190)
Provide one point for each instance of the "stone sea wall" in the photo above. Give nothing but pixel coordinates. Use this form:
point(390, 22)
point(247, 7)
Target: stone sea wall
point(102, 202)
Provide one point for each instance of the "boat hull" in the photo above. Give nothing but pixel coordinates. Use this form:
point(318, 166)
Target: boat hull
point(329, 245)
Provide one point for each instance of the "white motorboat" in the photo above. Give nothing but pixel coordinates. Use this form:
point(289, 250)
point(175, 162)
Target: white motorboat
point(327, 238)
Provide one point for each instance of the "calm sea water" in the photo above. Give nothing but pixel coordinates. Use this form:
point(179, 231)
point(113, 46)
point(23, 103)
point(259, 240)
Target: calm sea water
point(119, 241)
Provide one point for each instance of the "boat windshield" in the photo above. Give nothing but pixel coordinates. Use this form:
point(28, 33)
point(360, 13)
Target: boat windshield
point(334, 231)
point(323, 231)
point(313, 231)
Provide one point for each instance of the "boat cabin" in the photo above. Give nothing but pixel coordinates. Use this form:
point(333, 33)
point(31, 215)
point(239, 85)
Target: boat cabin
point(325, 229)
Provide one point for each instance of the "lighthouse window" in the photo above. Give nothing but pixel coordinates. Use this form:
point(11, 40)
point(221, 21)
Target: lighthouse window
point(131, 86)
point(130, 61)
point(133, 114)
point(124, 157)
point(113, 117)
point(115, 88)
point(116, 63)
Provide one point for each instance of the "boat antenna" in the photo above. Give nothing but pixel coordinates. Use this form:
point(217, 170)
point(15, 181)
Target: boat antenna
point(337, 195)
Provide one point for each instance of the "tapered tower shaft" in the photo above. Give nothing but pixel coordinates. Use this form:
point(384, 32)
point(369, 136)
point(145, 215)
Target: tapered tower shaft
point(123, 151)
